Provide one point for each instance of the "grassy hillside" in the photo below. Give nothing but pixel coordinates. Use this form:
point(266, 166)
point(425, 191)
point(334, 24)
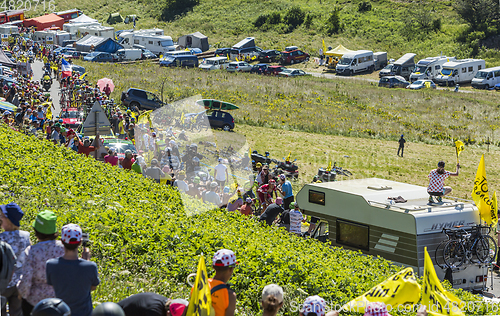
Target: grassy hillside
point(427, 28)
point(339, 107)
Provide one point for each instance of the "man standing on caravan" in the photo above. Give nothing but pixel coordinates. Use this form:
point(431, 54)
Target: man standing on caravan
point(436, 182)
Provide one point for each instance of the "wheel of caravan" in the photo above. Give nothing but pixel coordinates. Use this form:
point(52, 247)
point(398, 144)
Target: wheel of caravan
point(454, 254)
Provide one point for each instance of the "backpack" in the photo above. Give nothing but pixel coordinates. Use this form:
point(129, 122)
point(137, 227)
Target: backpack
point(8, 260)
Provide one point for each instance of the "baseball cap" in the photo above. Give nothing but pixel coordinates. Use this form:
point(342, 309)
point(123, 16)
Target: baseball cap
point(178, 306)
point(45, 222)
point(13, 212)
point(71, 231)
point(272, 290)
point(224, 258)
point(258, 165)
point(219, 160)
point(272, 181)
point(249, 200)
point(196, 180)
point(282, 177)
point(293, 205)
point(279, 200)
point(213, 184)
point(376, 309)
point(314, 304)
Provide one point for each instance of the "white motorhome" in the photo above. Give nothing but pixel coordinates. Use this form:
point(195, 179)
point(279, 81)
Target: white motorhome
point(98, 30)
point(358, 215)
point(58, 36)
point(357, 61)
point(214, 63)
point(72, 28)
point(459, 71)
point(158, 44)
point(486, 78)
point(429, 68)
point(9, 29)
point(128, 54)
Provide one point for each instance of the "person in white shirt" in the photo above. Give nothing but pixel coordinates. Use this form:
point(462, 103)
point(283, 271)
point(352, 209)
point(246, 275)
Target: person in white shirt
point(221, 174)
point(296, 218)
point(211, 196)
point(180, 183)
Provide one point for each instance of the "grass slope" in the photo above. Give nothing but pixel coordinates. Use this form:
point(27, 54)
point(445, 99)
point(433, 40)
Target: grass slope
point(388, 26)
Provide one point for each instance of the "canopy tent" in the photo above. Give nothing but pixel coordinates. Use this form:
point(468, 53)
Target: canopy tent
point(5, 61)
point(195, 40)
point(99, 44)
point(45, 21)
point(114, 18)
point(83, 19)
point(338, 51)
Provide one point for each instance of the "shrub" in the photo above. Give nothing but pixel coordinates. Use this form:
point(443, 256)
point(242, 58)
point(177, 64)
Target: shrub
point(436, 25)
point(261, 20)
point(309, 20)
point(294, 18)
point(274, 18)
point(333, 22)
point(364, 6)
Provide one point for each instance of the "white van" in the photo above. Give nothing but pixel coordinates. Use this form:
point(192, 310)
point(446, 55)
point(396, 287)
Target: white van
point(459, 71)
point(429, 68)
point(358, 61)
point(213, 63)
point(487, 78)
point(157, 44)
point(127, 54)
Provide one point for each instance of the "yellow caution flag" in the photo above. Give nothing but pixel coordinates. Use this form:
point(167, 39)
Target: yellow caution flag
point(324, 47)
point(401, 288)
point(459, 147)
point(82, 76)
point(288, 157)
point(200, 302)
point(481, 197)
point(329, 166)
point(437, 300)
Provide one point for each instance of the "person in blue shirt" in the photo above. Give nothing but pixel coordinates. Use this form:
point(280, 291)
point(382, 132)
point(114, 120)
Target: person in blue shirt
point(285, 188)
point(73, 278)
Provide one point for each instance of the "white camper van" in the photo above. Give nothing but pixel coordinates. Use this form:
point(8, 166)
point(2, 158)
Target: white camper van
point(486, 78)
point(98, 30)
point(72, 28)
point(358, 215)
point(9, 29)
point(358, 61)
point(128, 54)
point(157, 44)
point(459, 71)
point(214, 63)
point(429, 67)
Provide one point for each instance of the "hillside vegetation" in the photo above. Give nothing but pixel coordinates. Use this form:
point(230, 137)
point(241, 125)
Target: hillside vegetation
point(426, 27)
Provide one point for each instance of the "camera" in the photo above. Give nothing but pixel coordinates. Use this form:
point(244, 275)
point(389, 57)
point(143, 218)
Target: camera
point(85, 239)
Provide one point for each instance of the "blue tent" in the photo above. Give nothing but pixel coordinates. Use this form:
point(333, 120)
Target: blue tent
point(99, 44)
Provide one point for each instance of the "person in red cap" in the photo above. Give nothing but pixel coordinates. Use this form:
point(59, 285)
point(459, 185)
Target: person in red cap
point(73, 278)
point(223, 298)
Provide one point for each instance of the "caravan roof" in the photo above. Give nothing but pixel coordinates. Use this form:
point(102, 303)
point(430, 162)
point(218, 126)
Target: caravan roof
point(453, 64)
point(406, 59)
point(247, 42)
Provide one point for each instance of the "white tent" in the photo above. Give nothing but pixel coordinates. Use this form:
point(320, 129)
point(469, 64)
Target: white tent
point(83, 19)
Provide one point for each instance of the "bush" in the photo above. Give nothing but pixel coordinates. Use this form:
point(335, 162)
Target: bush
point(261, 20)
point(333, 22)
point(436, 25)
point(274, 18)
point(364, 6)
point(309, 20)
point(172, 9)
point(294, 18)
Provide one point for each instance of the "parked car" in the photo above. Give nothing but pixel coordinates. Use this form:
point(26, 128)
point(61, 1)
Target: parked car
point(72, 117)
point(293, 57)
point(100, 57)
point(179, 61)
point(221, 119)
point(422, 84)
point(147, 54)
point(63, 50)
point(292, 73)
point(259, 69)
point(393, 82)
point(269, 55)
point(222, 52)
point(274, 70)
point(214, 63)
point(142, 99)
point(120, 145)
point(69, 55)
point(239, 66)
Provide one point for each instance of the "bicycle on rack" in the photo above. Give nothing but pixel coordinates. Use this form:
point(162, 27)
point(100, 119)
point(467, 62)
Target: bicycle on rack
point(466, 244)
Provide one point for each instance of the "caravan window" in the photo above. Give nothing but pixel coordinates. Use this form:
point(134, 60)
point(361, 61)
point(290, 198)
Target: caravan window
point(464, 69)
point(497, 73)
point(437, 67)
point(479, 67)
point(136, 41)
point(167, 43)
point(471, 69)
point(150, 42)
point(353, 234)
point(316, 197)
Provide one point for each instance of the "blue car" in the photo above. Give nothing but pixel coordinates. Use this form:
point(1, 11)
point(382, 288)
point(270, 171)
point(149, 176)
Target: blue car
point(100, 57)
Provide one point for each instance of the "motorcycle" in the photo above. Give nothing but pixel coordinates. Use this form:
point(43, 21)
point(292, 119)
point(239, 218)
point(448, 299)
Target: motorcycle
point(47, 84)
point(330, 174)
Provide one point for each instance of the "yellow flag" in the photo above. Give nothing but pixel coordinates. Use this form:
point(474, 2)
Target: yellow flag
point(400, 289)
point(494, 202)
point(329, 166)
point(49, 113)
point(200, 302)
point(481, 196)
point(143, 118)
point(288, 157)
point(254, 57)
point(182, 118)
point(82, 76)
point(236, 58)
point(324, 47)
point(460, 147)
point(437, 300)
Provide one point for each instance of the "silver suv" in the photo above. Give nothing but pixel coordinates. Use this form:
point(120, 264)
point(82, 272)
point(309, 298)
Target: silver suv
point(140, 99)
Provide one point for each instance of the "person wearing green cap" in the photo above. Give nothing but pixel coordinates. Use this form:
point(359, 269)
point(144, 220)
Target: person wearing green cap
point(33, 286)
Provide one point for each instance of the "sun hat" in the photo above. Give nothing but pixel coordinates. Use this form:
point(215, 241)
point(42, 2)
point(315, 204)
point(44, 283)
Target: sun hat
point(376, 309)
point(224, 258)
point(249, 200)
point(213, 184)
point(272, 290)
point(13, 212)
point(71, 231)
point(178, 306)
point(279, 200)
point(313, 304)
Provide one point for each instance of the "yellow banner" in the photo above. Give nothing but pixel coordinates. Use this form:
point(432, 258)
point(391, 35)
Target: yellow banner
point(481, 196)
point(329, 168)
point(460, 147)
point(143, 118)
point(49, 113)
point(200, 302)
point(400, 289)
point(82, 76)
point(437, 300)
